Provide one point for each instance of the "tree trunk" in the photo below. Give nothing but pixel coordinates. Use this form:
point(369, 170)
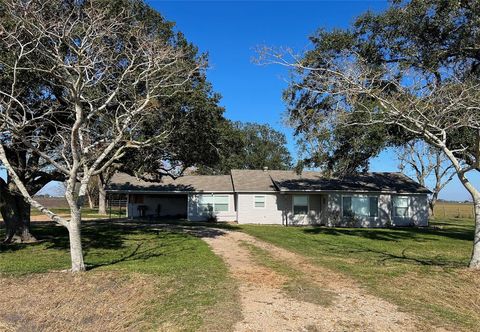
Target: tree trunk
point(23, 231)
point(16, 215)
point(431, 204)
point(91, 202)
point(475, 260)
point(74, 233)
point(102, 196)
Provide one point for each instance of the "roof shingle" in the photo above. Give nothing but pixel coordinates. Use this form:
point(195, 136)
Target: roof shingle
point(188, 183)
point(368, 182)
point(271, 181)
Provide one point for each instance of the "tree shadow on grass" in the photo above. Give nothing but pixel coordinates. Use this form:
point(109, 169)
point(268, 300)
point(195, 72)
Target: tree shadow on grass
point(383, 257)
point(107, 243)
point(398, 234)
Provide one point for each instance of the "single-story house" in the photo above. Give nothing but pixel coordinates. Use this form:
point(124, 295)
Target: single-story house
point(280, 197)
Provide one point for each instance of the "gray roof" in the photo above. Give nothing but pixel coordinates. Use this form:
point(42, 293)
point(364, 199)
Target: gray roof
point(252, 180)
point(188, 183)
point(366, 182)
point(271, 181)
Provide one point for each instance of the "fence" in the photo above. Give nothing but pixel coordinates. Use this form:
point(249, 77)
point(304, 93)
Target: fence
point(117, 206)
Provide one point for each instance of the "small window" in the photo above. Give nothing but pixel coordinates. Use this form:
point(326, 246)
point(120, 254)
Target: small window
point(300, 205)
point(400, 206)
point(259, 201)
point(360, 206)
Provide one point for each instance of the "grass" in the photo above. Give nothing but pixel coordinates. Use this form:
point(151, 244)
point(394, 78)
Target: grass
point(421, 270)
point(192, 284)
point(453, 210)
point(297, 285)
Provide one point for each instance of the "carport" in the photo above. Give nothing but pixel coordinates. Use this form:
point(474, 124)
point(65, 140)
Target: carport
point(158, 205)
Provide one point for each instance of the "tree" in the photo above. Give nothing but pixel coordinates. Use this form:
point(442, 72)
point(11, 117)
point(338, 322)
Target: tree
point(249, 146)
point(424, 162)
point(110, 67)
point(413, 70)
point(29, 167)
point(197, 103)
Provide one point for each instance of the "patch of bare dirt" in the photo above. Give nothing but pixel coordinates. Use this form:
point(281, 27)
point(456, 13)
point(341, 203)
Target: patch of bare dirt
point(266, 307)
point(94, 301)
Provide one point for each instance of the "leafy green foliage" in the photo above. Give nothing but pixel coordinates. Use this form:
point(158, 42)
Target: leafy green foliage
point(431, 37)
point(249, 146)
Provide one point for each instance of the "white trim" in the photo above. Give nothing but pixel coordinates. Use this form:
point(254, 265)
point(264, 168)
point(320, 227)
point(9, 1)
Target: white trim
point(292, 192)
point(128, 207)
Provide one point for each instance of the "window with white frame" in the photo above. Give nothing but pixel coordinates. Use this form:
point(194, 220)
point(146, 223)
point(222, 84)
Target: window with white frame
point(400, 206)
point(212, 203)
point(259, 201)
point(360, 206)
point(300, 204)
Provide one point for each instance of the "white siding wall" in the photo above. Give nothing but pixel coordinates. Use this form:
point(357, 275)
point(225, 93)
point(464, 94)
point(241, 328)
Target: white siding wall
point(272, 213)
point(278, 210)
point(194, 215)
point(418, 212)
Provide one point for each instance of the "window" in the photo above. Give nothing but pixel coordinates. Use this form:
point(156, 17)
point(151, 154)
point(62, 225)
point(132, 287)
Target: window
point(220, 203)
point(360, 206)
point(300, 205)
point(259, 201)
point(212, 203)
point(400, 206)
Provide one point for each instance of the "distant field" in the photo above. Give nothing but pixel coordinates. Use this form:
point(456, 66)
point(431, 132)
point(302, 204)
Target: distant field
point(453, 210)
point(53, 202)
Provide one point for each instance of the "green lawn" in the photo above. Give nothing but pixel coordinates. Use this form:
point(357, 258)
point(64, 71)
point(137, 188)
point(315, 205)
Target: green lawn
point(421, 270)
point(192, 283)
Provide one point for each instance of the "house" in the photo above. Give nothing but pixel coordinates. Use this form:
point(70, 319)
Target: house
point(280, 197)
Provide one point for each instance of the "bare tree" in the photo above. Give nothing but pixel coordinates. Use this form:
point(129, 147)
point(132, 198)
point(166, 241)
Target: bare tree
point(426, 162)
point(442, 109)
point(109, 68)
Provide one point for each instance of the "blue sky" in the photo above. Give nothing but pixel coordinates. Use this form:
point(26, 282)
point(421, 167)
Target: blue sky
point(230, 30)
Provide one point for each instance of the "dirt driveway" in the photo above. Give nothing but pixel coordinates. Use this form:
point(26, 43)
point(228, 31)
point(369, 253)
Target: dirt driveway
point(267, 306)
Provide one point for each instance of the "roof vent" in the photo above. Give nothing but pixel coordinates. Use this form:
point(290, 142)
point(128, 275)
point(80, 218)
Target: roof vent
point(265, 169)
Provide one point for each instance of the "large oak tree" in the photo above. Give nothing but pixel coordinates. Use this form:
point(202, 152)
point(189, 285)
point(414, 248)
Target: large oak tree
point(105, 71)
point(248, 146)
point(412, 72)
